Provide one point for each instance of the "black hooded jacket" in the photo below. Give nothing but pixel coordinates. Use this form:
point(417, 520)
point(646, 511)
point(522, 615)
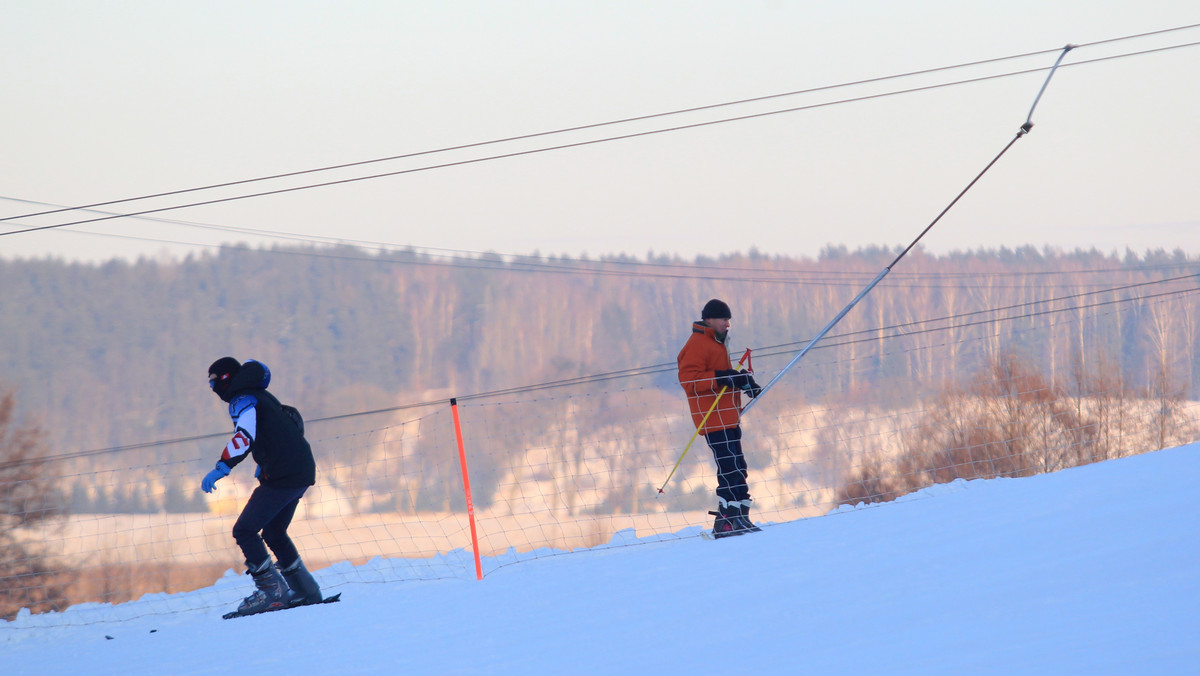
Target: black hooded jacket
point(277, 443)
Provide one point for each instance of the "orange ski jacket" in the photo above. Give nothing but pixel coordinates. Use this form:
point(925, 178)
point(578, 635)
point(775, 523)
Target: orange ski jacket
point(700, 357)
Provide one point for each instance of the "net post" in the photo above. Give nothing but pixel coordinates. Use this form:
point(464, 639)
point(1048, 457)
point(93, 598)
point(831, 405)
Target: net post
point(462, 461)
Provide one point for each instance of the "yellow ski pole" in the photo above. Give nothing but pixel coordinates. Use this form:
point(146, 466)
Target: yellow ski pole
point(695, 434)
point(699, 427)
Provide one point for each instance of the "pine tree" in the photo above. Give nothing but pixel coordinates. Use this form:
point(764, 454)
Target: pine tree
point(28, 498)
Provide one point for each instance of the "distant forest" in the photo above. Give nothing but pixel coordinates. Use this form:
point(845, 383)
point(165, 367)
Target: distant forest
point(111, 355)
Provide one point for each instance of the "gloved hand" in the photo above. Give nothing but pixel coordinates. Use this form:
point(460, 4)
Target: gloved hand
point(752, 389)
point(734, 380)
point(738, 380)
point(724, 377)
point(210, 480)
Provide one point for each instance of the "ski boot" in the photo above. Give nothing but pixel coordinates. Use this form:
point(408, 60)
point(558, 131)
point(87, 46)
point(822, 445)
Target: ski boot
point(303, 588)
point(744, 517)
point(272, 591)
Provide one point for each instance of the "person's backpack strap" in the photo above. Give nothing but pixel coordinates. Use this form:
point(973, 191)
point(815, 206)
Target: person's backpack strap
point(294, 415)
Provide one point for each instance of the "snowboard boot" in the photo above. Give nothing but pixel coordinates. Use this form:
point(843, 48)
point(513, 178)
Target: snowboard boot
point(271, 593)
point(304, 589)
point(744, 517)
point(727, 521)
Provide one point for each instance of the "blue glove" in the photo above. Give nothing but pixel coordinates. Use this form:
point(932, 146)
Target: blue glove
point(210, 480)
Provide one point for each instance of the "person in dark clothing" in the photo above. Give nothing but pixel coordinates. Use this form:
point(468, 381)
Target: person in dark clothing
point(272, 434)
point(712, 384)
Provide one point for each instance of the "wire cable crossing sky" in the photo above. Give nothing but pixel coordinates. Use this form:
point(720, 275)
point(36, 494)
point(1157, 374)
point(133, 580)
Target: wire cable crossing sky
point(636, 119)
point(557, 147)
point(237, 114)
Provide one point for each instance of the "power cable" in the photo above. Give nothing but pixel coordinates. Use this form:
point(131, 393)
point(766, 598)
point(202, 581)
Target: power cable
point(564, 146)
point(596, 125)
point(981, 322)
point(506, 262)
point(897, 328)
point(523, 137)
point(475, 260)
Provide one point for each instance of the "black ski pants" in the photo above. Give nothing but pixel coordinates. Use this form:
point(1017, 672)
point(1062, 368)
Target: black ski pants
point(268, 511)
point(726, 446)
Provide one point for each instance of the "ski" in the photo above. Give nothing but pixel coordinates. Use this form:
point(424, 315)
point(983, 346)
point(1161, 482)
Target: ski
point(329, 599)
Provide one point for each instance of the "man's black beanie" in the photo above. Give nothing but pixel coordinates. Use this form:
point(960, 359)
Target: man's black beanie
point(715, 309)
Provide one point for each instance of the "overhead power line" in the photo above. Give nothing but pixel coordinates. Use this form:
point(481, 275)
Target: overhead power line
point(590, 141)
point(610, 266)
point(597, 125)
point(391, 254)
point(525, 137)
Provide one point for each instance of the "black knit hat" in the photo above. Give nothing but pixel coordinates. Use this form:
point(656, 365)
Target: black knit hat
point(716, 309)
point(224, 369)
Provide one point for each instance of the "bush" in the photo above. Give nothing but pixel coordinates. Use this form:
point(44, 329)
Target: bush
point(1010, 421)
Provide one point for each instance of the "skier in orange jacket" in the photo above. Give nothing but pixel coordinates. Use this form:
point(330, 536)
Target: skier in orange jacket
point(705, 370)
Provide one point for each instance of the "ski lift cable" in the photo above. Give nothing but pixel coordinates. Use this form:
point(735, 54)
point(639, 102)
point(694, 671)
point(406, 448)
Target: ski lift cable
point(1025, 128)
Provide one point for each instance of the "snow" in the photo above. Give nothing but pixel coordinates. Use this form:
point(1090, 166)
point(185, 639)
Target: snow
point(1089, 570)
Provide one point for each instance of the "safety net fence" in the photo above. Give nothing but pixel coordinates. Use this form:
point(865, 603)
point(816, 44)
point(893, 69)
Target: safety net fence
point(867, 417)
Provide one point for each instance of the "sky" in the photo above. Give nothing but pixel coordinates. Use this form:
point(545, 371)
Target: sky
point(108, 101)
point(1091, 570)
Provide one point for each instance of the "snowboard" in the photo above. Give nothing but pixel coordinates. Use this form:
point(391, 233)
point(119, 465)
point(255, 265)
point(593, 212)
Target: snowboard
point(329, 599)
point(708, 534)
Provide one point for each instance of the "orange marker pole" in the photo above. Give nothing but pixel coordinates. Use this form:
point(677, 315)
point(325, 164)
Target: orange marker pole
point(462, 460)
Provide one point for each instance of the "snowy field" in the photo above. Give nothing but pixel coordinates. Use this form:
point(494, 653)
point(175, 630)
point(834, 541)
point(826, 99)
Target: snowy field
point(1092, 570)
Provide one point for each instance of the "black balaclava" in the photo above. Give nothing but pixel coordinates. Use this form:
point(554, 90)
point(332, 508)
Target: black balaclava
point(224, 369)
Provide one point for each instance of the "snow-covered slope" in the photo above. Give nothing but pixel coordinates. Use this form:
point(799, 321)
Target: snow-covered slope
point(1090, 570)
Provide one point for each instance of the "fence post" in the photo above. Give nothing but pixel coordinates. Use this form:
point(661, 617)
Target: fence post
point(462, 461)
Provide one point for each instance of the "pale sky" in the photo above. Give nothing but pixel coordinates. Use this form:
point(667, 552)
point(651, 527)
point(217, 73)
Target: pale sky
point(110, 100)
